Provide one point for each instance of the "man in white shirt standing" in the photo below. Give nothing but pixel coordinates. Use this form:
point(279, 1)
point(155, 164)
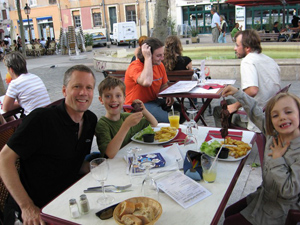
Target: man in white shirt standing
point(260, 77)
point(28, 89)
point(215, 23)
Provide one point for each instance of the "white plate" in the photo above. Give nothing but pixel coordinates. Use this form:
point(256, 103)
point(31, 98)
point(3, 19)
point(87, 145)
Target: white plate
point(155, 141)
point(230, 158)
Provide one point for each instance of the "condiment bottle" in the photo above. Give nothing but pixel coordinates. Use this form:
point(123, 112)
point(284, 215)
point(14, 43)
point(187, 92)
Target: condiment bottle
point(84, 204)
point(74, 211)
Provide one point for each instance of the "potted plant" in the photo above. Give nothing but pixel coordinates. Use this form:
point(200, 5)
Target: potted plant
point(88, 42)
point(194, 33)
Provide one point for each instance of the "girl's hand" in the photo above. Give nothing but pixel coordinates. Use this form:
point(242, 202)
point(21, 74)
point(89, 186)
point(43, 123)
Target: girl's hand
point(229, 90)
point(278, 149)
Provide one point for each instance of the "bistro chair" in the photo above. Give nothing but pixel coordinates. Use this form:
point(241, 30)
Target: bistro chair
point(16, 113)
point(6, 131)
point(52, 48)
point(260, 138)
point(57, 102)
point(29, 49)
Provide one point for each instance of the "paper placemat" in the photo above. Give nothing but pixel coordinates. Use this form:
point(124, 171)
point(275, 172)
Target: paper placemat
point(236, 135)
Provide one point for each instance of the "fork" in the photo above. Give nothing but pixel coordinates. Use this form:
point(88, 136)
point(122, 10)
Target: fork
point(100, 190)
point(115, 186)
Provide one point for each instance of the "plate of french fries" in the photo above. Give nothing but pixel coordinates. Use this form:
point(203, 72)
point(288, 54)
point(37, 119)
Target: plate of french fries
point(237, 149)
point(162, 135)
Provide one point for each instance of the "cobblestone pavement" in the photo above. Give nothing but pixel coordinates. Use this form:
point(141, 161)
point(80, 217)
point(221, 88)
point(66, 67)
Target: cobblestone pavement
point(249, 179)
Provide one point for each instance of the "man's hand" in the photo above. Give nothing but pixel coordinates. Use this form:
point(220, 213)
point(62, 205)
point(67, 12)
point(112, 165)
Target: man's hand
point(169, 101)
point(133, 119)
point(278, 149)
point(146, 51)
point(31, 216)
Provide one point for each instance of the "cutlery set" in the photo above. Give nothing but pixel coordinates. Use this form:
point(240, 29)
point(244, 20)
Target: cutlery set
point(117, 189)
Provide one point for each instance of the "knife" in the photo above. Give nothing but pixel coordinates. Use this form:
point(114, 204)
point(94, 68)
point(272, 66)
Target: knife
point(232, 135)
point(100, 190)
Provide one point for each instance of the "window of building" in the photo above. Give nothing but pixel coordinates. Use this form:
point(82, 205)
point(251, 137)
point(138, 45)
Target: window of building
point(97, 19)
point(130, 13)
point(77, 21)
point(4, 15)
point(32, 3)
point(52, 2)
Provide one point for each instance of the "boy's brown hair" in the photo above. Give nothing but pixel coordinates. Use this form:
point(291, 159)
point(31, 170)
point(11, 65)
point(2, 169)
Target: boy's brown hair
point(270, 130)
point(111, 82)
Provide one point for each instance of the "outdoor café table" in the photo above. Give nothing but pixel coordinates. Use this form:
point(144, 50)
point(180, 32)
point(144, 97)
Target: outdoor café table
point(207, 211)
point(196, 92)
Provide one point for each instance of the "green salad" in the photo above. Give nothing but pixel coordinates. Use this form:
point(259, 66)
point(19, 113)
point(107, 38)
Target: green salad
point(209, 149)
point(147, 130)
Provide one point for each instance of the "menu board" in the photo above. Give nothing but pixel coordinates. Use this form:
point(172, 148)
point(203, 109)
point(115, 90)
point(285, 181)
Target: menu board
point(185, 191)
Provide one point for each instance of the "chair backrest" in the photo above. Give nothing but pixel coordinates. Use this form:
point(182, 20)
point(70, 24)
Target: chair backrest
point(15, 113)
point(57, 102)
point(52, 44)
point(29, 46)
point(6, 131)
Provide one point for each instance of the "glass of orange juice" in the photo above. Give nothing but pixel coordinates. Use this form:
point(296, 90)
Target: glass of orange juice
point(174, 118)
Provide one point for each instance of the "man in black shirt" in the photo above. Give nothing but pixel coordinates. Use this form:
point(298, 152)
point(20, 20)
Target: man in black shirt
point(51, 144)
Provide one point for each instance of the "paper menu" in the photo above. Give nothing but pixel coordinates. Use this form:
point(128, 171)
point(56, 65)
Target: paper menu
point(180, 87)
point(185, 191)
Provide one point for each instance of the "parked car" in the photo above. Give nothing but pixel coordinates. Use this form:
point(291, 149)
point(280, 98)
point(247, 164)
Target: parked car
point(99, 38)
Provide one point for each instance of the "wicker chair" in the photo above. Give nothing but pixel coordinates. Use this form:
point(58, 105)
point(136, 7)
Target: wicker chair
point(6, 131)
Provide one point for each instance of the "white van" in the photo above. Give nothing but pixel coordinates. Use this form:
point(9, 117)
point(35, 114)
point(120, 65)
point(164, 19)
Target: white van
point(124, 33)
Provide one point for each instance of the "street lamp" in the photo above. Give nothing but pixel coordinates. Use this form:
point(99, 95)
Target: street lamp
point(27, 12)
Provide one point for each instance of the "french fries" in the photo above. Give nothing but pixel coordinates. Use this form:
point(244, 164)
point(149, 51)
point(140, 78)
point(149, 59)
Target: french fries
point(237, 151)
point(165, 134)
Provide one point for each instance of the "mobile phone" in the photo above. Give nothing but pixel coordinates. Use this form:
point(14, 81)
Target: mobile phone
point(106, 213)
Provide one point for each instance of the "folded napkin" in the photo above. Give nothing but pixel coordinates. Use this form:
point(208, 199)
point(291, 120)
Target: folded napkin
point(217, 134)
point(179, 138)
point(212, 86)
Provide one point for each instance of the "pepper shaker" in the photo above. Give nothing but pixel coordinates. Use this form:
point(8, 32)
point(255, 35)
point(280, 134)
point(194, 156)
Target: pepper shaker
point(84, 204)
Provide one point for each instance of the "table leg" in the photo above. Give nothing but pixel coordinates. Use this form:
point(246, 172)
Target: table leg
point(202, 110)
point(181, 102)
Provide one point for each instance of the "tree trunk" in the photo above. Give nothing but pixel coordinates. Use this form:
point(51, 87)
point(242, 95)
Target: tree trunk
point(160, 30)
point(21, 29)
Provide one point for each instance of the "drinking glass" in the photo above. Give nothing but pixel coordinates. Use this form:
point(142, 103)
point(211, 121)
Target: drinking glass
point(174, 118)
point(190, 142)
point(193, 124)
point(136, 173)
point(99, 169)
point(149, 187)
point(209, 167)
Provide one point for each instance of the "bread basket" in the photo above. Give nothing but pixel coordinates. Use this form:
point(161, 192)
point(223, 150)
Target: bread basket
point(147, 201)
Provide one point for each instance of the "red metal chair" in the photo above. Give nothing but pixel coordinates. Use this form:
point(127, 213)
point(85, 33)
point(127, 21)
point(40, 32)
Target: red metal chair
point(293, 217)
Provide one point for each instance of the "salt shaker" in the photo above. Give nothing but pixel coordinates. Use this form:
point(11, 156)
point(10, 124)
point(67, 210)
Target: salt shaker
point(84, 204)
point(74, 211)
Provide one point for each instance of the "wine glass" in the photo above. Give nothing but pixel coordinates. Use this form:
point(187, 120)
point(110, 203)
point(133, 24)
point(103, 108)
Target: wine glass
point(136, 173)
point(99, 169)
point(190, 142)
point(149, 187)
point(193, 124)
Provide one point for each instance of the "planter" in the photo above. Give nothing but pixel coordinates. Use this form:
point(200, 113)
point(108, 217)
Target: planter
point(194, 39)
point(89, 48)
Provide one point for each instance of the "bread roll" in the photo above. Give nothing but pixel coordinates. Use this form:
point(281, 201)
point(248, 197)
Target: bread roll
point(127, 208)
point(145, 214)
point(139, 205)
point(129, 219)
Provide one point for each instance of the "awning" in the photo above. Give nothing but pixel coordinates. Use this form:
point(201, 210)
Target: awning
point(262, 2)
point(1, 31)
point(44, 18)
point(30, 20)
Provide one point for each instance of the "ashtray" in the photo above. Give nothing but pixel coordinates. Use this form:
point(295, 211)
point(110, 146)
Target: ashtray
point(223, 154)
point(148, 137)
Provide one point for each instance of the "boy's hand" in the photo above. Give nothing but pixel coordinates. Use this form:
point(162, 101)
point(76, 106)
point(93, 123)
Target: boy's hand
point(133, 119)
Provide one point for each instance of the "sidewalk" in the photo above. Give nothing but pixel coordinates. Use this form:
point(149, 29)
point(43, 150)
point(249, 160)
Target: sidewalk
point(249, 179)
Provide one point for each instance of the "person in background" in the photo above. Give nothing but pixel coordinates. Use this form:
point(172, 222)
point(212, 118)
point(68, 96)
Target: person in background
point(140, 42)
point(295, 21)
point(276, 30)
point(236, 29)
point(260, 77)
point(215, 23)
point(280, 187)
point(222, 29)
point(115, 129)
point(51, 144)
point(28, 89)
point(19, 43)
point(146, 77)
point(43, 42)
point(173, 59)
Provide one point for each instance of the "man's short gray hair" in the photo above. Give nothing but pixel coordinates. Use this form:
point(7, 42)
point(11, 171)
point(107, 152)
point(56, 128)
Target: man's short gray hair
point(213, 9)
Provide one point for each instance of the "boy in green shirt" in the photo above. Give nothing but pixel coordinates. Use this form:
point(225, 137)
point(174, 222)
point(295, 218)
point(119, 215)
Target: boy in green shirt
point(235, 30)
point(115, 129)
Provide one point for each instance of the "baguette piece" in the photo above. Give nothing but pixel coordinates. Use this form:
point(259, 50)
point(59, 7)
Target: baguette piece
point(139, 205)
point(145, 214)
point(127, 207)
point(129, 219)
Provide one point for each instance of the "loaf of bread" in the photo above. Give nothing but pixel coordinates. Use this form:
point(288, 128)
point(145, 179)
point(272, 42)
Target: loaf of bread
point(129, 219)
point(146, 214)
point(127, 207)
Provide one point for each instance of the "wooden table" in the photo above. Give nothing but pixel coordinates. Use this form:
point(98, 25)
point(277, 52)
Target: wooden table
point(190, 95)
point(207, 211)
